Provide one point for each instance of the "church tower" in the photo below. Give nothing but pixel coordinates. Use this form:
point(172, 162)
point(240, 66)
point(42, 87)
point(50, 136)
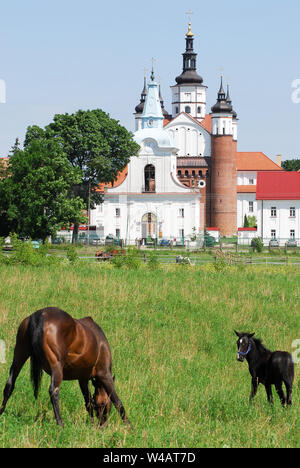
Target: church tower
point(140, 107)
point(189, 93)
point(224, 165)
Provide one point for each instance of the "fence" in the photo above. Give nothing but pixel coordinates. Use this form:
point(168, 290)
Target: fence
point(227, 257)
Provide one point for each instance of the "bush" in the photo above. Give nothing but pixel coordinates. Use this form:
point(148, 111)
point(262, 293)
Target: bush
point(72, 254)
point(257, 244)
point(132, 259)
point(153, 262)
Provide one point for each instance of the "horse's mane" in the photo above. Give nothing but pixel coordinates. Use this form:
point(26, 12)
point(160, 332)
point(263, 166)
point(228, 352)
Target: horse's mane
point(259, 345)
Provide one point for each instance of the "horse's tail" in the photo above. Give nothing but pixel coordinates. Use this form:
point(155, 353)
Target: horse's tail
point(36, 333)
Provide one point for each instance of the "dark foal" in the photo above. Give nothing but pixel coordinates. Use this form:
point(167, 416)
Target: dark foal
point(67, 349)
point(266, 367)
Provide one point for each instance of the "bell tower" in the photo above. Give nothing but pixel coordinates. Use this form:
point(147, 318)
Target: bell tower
point(189, 93)
point(223, 163)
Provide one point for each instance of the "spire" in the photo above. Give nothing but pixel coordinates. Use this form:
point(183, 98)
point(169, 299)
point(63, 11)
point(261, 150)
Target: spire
point(152, 71)
point(139, 108)
point(165, 113)
point(189, 74)
point(229, 102)
point(152, 115)
point(222, 105)
point(189, 33)
point(228, 98)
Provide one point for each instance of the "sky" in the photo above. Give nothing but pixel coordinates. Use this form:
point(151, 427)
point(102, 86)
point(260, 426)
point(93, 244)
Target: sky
point(59, 56)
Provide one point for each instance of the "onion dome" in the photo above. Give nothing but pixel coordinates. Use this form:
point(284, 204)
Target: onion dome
point(228, 100)
point(189, 74)
point(140, 107)
point(222, 106)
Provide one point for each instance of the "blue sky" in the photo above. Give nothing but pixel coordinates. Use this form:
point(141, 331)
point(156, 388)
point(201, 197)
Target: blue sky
point(61, 56)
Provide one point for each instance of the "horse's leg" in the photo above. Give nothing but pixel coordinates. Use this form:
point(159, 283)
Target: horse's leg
point(108, 383)
point(56, 379)
point(280, 392)
point(84, 387)
point(288, 386)
point(21, 354)
point(269, 392)
point(254, 387)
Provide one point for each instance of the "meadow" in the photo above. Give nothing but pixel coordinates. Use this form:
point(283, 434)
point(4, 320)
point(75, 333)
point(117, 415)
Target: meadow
point(170, 329)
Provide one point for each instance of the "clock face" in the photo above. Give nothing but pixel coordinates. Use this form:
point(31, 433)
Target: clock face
point(150, 123)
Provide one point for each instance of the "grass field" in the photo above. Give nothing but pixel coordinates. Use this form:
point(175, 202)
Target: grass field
point(173, 346)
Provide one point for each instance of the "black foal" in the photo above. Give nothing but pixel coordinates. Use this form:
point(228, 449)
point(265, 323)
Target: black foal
point(266, 367)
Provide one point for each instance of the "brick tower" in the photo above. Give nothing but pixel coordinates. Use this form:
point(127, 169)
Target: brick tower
point(223, 165)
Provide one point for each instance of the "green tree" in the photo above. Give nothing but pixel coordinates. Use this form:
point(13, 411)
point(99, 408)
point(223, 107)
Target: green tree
point(95, 144)
point(246, 222)
point(252, 221)
point(291, 165)
point(34, 196)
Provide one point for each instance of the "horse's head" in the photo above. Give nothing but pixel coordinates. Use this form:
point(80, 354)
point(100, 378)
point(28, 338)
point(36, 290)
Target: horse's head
point(101, 402)
point(243, 345)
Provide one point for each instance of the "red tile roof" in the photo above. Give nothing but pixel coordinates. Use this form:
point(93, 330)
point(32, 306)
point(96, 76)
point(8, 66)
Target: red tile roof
point(120, 178)
point(255, 161)
point(206, 123)
point(246, 188)
point(278, 186)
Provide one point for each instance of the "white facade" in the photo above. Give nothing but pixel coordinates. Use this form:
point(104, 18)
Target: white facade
point(246, 205)
point(190, 99)
point(189, 137)
point(246, 177)
point(151, 202)
point(278, 219)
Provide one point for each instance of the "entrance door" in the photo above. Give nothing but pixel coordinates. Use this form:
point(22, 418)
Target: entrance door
point(149, 225)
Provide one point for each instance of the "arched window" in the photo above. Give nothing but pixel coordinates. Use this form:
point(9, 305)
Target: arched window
point(149, 177)
point(199, 109)
point(187, 109)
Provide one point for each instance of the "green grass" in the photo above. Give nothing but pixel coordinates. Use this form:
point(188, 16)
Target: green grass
point(173, 346)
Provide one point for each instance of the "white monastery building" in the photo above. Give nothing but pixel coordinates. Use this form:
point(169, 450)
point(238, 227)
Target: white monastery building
point(189, 175)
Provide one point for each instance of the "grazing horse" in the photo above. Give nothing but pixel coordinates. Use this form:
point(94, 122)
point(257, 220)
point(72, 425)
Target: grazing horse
point(266, 367)
point(67, 349)
point(184, 260)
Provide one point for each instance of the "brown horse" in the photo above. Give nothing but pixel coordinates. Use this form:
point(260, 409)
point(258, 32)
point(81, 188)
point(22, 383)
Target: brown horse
point(67, 349)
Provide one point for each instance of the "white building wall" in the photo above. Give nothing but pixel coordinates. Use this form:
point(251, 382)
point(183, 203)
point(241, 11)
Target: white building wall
point(243, 207)
point(282, 223)
point(193, 96)
point(190, 138)
point(245, 177)
point(165, 208)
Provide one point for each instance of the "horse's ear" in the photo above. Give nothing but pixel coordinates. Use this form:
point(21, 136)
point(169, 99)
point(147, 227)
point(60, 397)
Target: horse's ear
point(250, 335)
point(237, 333)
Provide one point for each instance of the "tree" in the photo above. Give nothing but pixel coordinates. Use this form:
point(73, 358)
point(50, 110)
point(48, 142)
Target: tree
point(34, 197)
point(246, 222)
point(95, 144)
point(291, 165)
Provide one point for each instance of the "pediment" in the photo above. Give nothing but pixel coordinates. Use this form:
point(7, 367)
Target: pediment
point(182, 120)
